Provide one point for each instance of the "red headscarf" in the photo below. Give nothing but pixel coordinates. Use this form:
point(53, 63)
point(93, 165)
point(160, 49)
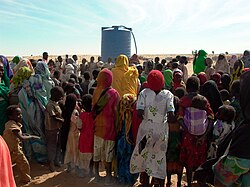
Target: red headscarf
point(155, 80)
point(104, 80)
point(203, 78)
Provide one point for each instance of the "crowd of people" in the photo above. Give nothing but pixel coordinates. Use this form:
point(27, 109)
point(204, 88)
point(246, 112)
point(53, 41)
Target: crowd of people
point(142, 120)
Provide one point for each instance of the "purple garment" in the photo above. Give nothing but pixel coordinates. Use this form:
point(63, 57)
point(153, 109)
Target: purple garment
point(7, 66)
point(195, 120)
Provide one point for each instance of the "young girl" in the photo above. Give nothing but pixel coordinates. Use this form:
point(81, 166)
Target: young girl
point(154, 106)
point(72, 153)
point(209, 67)
point(195, 117)
point(177, 80)
point(86, 140)
point(173, 153)
point(222, 126)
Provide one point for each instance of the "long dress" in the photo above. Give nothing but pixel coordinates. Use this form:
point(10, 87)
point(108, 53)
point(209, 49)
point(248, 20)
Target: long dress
point(149, 154)
point(72, 151)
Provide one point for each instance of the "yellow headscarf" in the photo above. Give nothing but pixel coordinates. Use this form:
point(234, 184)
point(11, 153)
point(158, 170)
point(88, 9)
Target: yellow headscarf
point(125, 78)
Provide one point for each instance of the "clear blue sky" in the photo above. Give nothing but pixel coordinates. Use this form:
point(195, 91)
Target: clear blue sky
point(160, 26)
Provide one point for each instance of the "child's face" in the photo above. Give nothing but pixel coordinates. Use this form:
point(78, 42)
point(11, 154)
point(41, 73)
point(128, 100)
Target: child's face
point(17, 115)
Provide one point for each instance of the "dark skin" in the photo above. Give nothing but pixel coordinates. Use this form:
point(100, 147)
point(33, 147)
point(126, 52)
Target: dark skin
point(17, 117)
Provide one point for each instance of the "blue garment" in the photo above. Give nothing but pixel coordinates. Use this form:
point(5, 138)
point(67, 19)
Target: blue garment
point(124, 153)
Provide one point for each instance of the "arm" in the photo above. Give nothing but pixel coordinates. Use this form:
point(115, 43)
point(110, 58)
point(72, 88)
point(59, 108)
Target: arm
point(23, 137)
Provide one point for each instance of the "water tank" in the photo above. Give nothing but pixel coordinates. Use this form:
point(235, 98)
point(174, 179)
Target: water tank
point(116, 40)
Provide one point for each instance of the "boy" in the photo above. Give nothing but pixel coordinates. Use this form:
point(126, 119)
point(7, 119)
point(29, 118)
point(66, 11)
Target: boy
point(53, 123)
point(13, 136)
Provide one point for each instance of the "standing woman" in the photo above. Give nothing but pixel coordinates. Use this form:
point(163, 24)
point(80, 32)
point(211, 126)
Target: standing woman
point(154, 106)
point(33, 98)
point(4, 92)
point(199, 62)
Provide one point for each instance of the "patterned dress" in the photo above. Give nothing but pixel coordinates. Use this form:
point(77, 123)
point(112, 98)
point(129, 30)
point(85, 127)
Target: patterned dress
point(149, 154)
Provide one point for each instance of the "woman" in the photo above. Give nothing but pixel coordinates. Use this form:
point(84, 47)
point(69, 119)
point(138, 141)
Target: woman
point(4, 92)
point(233, 168)
point(125, 143)
point(237, 70)
point(168, 77)
point(199, 62)
point(154, 106)
point(211, 92)
point(222, 64)
point(33, 97)
point(125, 78)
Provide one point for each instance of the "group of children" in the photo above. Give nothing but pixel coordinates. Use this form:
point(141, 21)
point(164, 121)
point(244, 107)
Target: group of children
point(181, 120)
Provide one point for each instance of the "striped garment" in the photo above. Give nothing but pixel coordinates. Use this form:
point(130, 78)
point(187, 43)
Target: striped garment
point(195, 120)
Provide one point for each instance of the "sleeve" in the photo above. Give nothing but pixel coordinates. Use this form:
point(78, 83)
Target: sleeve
point(209, 111)
point(170, 102)
point(51, 109)
point(140, 105)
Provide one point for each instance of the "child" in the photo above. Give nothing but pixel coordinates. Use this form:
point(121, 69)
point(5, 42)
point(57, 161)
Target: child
point(85, 84)
point(209, 67)
point(222, 127)
point(53, 123)
point(86, 140)
point(13, 136)
point(72, 153)
point(225, 96)
point(177, 80)
point(196, 118)
point(173, 152)
point(105, 106)
point(155, 106)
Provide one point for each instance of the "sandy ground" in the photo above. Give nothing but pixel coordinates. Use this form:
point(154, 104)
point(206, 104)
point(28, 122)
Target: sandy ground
point(42, 177)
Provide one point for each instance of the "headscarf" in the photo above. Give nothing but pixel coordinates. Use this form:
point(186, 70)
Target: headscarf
point(211, 92)
point(237, 70)
point(216, 77)
point(155, 80)
point(7, 66)
point(203, 78)
point(225, 81)
point(232, 60)
point(168, 77)
point(125, 77)
point(104, 81)
point(16, 59)
point(42, 69)
point(199, 63)
point(22, 74)
point(177, 83)
point(246, 58)
point(244, 95)
point(23, 63)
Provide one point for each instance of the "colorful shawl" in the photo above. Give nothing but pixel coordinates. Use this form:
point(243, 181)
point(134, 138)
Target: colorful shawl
point(237, 70)
point(23, 63)
point(125, 114)
point(203, 78)
point(125, 77)
point(22, 74)
point(199, 63)
point(105, 106)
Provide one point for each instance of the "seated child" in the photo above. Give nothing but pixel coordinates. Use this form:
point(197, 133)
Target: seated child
point(86, 140)
point(222, 127)
point(13, 136)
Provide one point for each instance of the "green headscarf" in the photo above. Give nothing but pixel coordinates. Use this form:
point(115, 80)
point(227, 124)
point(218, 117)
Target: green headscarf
point(199, 63)
point(168, 77)
point(22, 74)
point(16, 59)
